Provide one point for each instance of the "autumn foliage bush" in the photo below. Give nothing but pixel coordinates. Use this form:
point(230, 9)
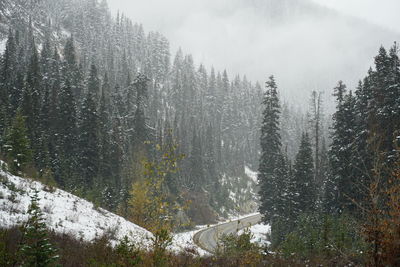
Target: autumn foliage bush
point(382, 230)
point(239, 248)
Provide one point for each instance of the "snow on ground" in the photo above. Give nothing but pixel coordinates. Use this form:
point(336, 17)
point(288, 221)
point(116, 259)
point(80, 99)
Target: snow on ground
point(64, 212)
point(251, 174)
point(184, 242)
point(259, 232)
point(233, 217)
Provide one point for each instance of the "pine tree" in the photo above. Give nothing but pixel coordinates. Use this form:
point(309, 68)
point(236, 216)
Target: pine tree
point(176, 90)
point(93, 83)
point(105, 169)
point(32, 101)
point(362, 153)
point(315, 121)
point(17, 144)
point(36, 249)
point(285, 197)
point(117, 157)
point(387, 107)
point(55, 119)
point(71, 69)
point(169, 144)
point(89, 154)
point(270, 152)
point(67, 135)
point(10, 95)
point(141, 129)
point(210, 166)
point(196, 163)
point(130, 109)
point(303, 175)
point(46, 63)
point(325, 171)
point(344, 186)
point(383, 109)
point(43, 161)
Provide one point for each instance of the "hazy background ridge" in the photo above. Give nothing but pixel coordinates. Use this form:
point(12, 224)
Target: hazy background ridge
point(308, 45)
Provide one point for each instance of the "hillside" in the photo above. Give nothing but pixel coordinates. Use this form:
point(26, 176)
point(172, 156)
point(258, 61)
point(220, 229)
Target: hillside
point(64, 212)
point(67, 214)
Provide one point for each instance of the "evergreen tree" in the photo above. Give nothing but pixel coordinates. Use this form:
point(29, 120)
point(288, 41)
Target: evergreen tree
point(362, 154)
point(46, 62)
point(130, 109)
point(17, 144)
point(303, 176)
point(55, 119)
point(270, 152)
point(43, 161)
point(196, 163)
point(89, 154)
point(344, 185)
point(141, 129)
point(387, 82)
point(316, 119)
point(67, 135)
point(210, 162)
point(71, 69)
point(32, 101)
point(325, 172)
point(93, 83)
point(117, 157)
point(36, 249)
point(168, 144)
point(10, 95)
point(105, 169)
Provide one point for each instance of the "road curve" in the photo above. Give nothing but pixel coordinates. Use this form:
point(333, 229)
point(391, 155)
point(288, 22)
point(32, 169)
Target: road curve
point(207, 239)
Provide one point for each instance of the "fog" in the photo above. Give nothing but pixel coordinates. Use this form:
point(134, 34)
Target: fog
point(381, 12)
point(308, 45)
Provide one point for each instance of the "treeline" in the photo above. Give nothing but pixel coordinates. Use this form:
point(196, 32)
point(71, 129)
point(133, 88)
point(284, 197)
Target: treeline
point(334, 200)
point(95, 95)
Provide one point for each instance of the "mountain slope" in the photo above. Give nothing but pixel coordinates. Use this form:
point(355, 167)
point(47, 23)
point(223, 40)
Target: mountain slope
point(214, 118)
point(64, 212)
point(305, 45)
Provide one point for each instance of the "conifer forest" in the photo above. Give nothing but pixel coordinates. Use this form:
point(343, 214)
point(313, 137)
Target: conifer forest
point(232, 133)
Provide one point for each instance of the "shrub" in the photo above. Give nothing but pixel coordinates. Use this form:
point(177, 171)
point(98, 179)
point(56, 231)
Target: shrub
point(128, 254)
point(326, 236)
point(36, 249)
point(161, 241)
point(240, 249)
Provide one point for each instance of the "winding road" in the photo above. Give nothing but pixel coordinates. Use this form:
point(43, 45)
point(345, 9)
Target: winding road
point(207, 239)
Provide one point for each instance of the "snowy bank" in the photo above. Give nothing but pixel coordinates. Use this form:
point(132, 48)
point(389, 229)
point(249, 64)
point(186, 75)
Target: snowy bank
point(64, 213)
point(184, 242)
point(259, 232)
point(251, 174)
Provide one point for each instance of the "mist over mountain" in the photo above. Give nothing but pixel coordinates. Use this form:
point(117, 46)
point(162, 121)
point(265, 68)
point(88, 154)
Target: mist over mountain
point(306, 45)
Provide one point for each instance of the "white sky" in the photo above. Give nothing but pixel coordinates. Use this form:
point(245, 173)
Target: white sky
point(382, 12)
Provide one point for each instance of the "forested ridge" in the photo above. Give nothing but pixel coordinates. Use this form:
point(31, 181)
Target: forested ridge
point(97, 95)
